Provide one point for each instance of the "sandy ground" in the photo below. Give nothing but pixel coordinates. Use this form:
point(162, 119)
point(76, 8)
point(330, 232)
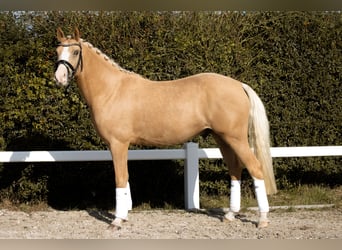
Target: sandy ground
point(170, 224)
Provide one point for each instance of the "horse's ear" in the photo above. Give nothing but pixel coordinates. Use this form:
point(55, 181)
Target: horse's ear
point(60, 35)
point(77, 34)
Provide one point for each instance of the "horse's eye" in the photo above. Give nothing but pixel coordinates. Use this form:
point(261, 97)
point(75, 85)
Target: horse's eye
point(76, 52)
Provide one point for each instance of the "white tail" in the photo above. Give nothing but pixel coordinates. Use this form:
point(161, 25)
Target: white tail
point(259, 138)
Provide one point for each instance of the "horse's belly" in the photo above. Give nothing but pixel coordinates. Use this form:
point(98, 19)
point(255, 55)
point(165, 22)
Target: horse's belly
point(170, 134)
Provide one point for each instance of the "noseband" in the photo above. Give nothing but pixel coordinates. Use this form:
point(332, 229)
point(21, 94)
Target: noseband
point(67, 64)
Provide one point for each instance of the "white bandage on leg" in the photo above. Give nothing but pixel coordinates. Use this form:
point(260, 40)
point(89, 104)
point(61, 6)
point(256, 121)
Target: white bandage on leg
point(129, 198)
point(235, 200)
point(261, 196)
point(123, 202)
point(235, 196)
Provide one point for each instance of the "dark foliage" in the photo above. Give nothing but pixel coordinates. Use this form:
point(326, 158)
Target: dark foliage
point(291, 59)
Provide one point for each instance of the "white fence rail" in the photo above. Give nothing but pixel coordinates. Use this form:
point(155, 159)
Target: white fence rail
point(190, 153)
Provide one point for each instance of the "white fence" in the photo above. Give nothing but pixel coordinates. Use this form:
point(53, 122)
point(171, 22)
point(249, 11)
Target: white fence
point(190, 153)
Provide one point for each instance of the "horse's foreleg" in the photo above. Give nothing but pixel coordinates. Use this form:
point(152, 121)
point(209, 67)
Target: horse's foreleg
point(122, 191)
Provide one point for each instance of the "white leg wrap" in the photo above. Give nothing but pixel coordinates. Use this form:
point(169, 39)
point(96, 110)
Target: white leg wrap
point(123, 202)
point(129, 201)
point(261, 196)
point(235, 196)
point(235, 200)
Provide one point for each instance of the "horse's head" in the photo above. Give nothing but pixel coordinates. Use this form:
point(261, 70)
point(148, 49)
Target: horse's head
point(69, 57)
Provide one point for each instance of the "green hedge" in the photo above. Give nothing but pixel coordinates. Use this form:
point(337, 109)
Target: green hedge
point(291, 59)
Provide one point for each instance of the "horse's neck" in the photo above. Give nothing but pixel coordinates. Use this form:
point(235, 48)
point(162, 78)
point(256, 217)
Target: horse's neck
point(98, 77)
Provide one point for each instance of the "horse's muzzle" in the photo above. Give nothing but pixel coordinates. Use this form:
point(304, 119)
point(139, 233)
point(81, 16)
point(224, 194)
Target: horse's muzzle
point(61, 75)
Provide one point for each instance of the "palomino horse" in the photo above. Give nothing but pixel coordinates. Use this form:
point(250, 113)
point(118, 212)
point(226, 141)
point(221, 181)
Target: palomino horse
point(128, 109)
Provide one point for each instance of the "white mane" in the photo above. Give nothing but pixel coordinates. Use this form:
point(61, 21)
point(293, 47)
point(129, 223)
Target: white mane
point(106, 58)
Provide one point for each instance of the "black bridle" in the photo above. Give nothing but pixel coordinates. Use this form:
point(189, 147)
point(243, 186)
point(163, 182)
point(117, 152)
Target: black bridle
point(67, 64)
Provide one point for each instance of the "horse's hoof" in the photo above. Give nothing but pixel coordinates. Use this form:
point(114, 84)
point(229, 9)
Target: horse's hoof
point(225, 220)
point(114, 227)
point(116, 224)
point(263, 224)
point(229, 217)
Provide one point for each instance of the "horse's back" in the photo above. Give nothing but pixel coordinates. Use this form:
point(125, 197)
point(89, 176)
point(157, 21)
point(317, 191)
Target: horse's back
point(213, 80)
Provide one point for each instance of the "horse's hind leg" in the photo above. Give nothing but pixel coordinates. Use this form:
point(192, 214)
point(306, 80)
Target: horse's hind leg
point(241, 148)
point(235, 170)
